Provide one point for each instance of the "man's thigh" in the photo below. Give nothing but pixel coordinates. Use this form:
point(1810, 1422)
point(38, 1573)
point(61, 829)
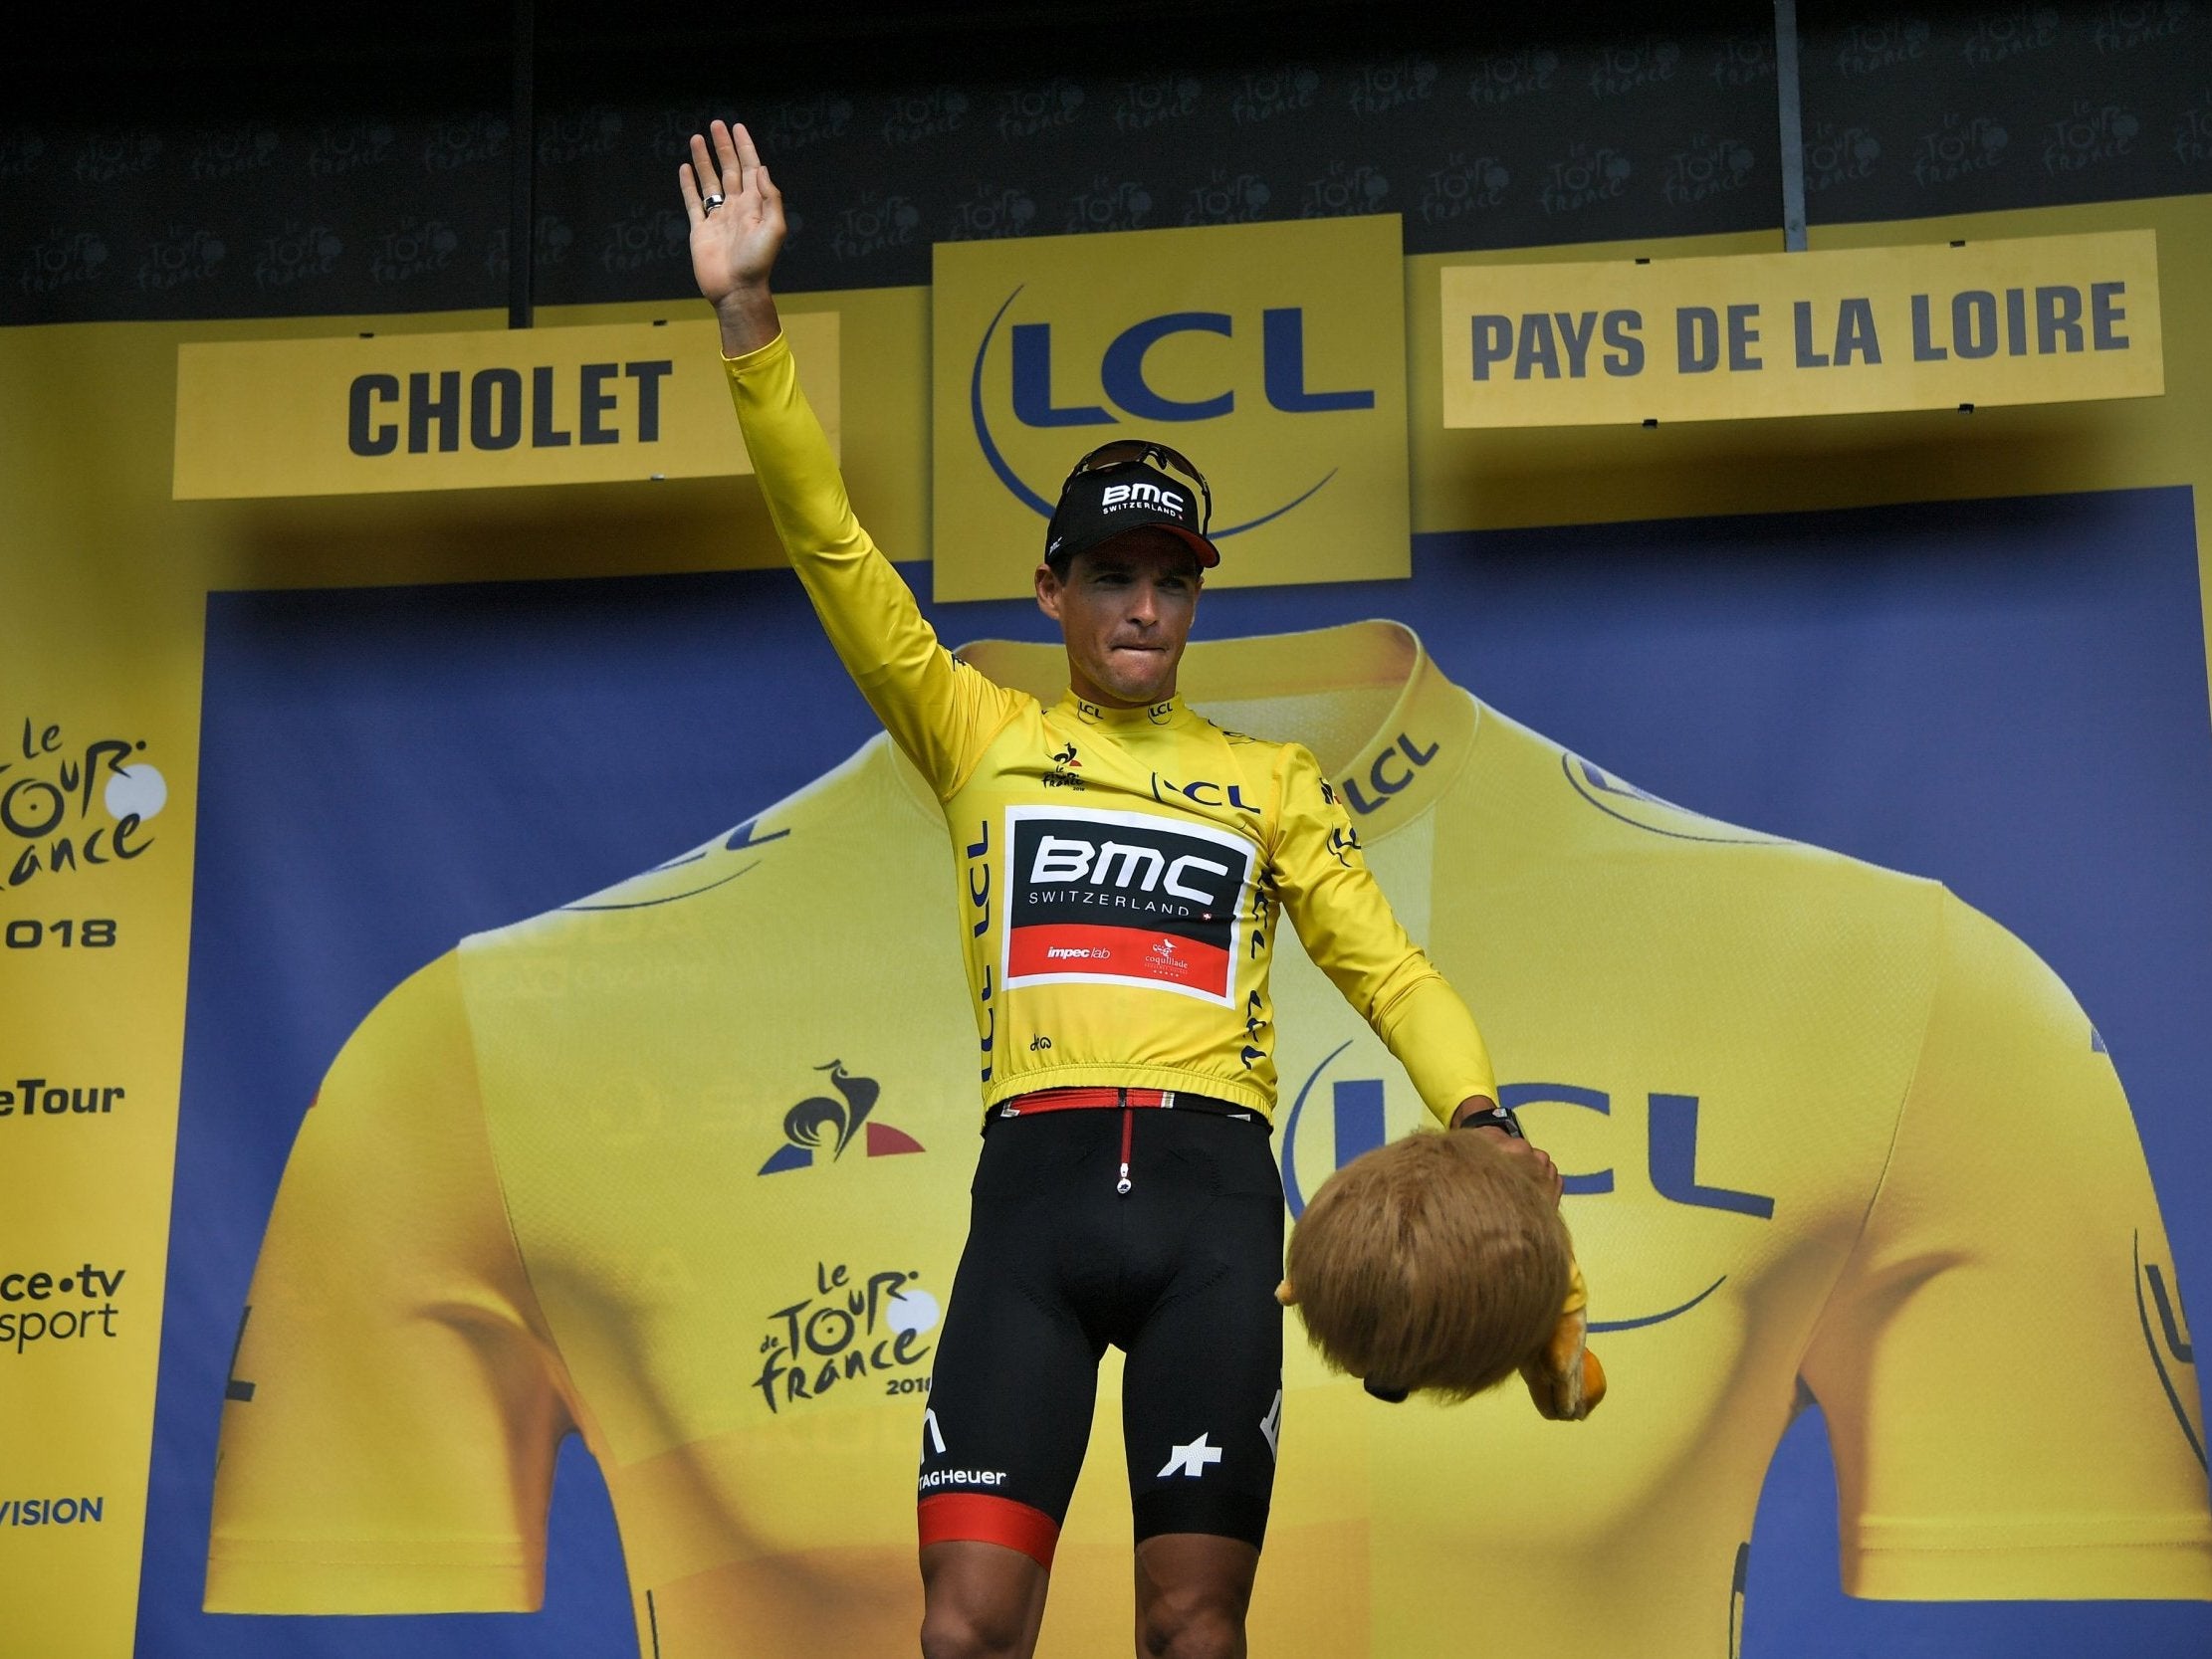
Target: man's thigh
point(1202, 1393)
point(1015, 1374)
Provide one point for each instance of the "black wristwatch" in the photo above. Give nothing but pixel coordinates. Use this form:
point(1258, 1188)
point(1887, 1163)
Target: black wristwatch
point(1497, 1117)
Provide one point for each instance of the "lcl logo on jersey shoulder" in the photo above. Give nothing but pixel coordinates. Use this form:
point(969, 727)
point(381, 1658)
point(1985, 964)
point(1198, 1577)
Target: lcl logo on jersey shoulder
point(1392, 771)
point(1203, 792)
point(1120, 898)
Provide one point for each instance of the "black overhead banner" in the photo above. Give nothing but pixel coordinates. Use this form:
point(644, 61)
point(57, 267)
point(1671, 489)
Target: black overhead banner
point(378, 178)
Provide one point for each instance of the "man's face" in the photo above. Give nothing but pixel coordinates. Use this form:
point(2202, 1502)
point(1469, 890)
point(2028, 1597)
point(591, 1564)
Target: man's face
point(1125, 610)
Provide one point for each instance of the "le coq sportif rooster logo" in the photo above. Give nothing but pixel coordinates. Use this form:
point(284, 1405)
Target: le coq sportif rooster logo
point(822, 1124)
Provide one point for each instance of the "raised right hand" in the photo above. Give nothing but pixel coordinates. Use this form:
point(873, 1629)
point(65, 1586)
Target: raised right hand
point(734, 247)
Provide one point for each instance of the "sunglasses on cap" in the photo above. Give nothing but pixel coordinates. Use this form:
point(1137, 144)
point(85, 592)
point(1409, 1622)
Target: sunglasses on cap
point(1137, 452)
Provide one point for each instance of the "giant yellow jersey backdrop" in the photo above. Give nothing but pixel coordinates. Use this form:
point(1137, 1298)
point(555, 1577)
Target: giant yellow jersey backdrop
point(681, 1167)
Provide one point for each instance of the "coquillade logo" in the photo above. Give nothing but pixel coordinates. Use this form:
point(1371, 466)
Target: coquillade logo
point(1272, 354)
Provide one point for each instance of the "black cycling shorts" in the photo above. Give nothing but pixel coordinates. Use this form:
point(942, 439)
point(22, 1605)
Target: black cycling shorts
point(1179, 1271)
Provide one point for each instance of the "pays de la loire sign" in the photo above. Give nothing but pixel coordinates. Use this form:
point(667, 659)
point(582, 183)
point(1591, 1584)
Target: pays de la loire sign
point(2038, 319)
point(465, 411)
point(1272, 356)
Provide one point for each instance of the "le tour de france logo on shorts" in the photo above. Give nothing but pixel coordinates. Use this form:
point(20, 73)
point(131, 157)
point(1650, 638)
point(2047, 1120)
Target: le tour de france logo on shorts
point(1122, 899)
point(1272, 356)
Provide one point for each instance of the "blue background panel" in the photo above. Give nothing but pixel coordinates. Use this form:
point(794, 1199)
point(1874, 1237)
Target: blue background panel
point(2007, 695)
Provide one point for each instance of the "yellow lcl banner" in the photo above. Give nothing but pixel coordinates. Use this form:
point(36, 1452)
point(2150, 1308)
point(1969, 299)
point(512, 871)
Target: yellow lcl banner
point(1272, 356)
point(465, 411)
point(2039, 319)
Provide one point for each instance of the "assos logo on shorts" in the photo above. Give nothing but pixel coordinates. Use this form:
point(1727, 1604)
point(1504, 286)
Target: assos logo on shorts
point(1119, 897)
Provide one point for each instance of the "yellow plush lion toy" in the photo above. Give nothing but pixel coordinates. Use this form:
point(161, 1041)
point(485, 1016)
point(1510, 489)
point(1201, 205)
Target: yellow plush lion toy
point(1438, 1263)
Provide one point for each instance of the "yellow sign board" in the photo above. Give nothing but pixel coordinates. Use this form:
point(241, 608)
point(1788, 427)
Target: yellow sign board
point(2040, 320)
point(1272, 355)
point(466, 411)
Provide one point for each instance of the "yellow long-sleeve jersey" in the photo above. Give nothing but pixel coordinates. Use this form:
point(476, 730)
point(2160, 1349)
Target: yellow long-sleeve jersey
point(1122, 868)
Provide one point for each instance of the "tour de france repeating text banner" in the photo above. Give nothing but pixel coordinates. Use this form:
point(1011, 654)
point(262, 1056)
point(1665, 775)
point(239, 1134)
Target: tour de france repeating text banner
point(1272, 356)
point(598, 404)
point(2038, 319)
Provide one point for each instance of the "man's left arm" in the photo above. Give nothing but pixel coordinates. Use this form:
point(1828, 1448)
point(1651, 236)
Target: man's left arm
point(1353, 936)
point(1348, 929)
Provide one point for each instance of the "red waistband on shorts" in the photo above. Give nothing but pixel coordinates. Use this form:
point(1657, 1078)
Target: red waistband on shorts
point(1080, 1099)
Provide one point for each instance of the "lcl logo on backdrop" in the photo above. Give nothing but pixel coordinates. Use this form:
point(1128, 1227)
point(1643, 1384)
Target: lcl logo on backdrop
point(1336, 1113)
point(1272, 354)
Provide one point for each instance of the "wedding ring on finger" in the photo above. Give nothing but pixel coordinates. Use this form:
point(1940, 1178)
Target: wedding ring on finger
point(713, 202)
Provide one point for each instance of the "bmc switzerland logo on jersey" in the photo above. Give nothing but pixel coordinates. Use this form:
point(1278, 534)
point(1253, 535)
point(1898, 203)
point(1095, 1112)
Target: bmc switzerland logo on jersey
point(1121, 898)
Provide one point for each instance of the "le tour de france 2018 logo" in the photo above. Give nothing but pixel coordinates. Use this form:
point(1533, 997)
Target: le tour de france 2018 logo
point(71, 803)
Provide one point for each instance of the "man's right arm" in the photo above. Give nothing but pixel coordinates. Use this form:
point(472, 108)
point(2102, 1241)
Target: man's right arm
point(940, 712)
